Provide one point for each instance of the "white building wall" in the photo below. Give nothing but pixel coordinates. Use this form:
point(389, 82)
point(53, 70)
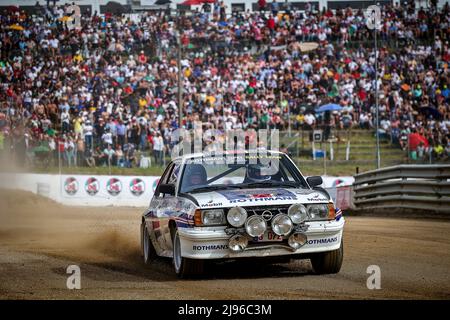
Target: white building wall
point(94, 3)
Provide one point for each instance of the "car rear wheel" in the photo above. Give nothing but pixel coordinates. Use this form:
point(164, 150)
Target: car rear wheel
point(328, 262)
point(148, 251)
point(184, 267)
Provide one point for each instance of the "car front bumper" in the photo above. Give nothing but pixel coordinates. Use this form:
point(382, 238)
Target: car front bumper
point(212, 243)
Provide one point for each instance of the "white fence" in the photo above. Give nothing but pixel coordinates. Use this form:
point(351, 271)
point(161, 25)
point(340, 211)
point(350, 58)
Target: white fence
point(86, 190)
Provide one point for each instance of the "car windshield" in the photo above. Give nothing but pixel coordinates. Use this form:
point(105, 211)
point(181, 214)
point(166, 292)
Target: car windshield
point(239, 171)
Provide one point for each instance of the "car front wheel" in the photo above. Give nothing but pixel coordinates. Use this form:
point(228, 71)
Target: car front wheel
point(328, 262)
point(148, 251)
point(184, 267)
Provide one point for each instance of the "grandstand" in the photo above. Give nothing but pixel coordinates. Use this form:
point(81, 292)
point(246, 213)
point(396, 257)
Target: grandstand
point(105, 93)
point(131, 6)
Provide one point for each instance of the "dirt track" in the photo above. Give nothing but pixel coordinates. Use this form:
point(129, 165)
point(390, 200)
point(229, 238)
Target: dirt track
point(39, 239)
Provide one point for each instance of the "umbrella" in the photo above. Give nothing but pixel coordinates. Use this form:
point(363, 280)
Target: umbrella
point(162, 2)
point(329, 107)
point(191, 2)
point(16, 27)
point(415, 139)
point(196, 2)
point(430, 111)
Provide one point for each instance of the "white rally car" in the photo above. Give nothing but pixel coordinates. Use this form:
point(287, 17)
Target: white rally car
point(240, 204)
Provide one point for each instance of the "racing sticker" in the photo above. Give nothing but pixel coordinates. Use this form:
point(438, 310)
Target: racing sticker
point(322, 241)
point(210, 247)
point(114, 186)
point(92, 186)
point(71, 186)
point(211, 204)
point(317, 197)
point(137, 187)
point(252, 196)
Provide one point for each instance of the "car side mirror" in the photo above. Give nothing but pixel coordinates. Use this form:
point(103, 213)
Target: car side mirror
point(167, 189)
point(314, 181)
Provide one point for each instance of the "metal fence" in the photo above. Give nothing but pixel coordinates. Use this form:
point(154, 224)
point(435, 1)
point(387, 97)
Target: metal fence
point(410, 187)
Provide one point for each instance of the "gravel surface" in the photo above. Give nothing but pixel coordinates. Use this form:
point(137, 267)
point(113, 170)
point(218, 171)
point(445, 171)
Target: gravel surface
point(39, 239)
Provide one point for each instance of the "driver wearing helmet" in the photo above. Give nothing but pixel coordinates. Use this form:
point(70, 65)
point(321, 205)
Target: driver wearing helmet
point(195, 175)
point(257, 173)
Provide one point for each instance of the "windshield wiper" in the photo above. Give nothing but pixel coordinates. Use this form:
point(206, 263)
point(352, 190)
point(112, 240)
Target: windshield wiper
point(272, 184)
point(214, 187)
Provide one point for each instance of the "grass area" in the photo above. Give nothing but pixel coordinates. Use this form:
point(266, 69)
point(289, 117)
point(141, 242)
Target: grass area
point(152, 171)
point(362, 146)
point(307, 167)
point(336, 169)
point(362, 156)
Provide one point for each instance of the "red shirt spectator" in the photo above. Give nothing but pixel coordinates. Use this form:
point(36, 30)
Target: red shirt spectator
point(271, 23)
point(142, 58)
point(262, 4)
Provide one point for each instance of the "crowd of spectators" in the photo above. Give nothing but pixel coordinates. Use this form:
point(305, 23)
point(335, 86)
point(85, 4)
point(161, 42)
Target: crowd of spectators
point(106, 93)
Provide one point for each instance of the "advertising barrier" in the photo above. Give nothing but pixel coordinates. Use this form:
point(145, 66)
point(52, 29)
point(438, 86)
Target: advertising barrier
point(86, 190)
point(344, 198)
point(101, 190)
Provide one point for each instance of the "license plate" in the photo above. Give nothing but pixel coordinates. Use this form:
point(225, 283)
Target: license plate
point(268, 236)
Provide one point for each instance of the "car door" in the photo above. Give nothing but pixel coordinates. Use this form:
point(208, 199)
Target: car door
point(169, 203)
point(155, 217)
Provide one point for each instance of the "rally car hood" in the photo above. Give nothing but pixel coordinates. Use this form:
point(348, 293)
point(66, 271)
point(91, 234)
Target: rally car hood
point(258, 197)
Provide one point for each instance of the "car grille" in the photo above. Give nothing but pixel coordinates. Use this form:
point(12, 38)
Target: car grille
point(264, 211)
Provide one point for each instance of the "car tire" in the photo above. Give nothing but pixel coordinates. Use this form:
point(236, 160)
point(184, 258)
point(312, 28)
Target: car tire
point(184, 267)
point(148, 251)
point(328, 262)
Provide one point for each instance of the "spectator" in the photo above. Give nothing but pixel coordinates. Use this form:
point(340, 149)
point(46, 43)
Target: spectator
point(104, 83)
point(274, 7)
point(158, 149)
point(69, 151)
point(130, 155)
point(121, 133)
point(262, 5)
point(65, 121)
point(107, 138)
point(421, 151)
point(109, 154)
point(120, 158)
point(88, 131)
point(80, 151)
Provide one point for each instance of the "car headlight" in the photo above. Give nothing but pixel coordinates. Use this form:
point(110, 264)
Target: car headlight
point(236, 216)
point(298, 213)
point(238, 243)
point(213, 217)
point(281, 224)
point(318, 211)
point(297, 240)
point(255, 226)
